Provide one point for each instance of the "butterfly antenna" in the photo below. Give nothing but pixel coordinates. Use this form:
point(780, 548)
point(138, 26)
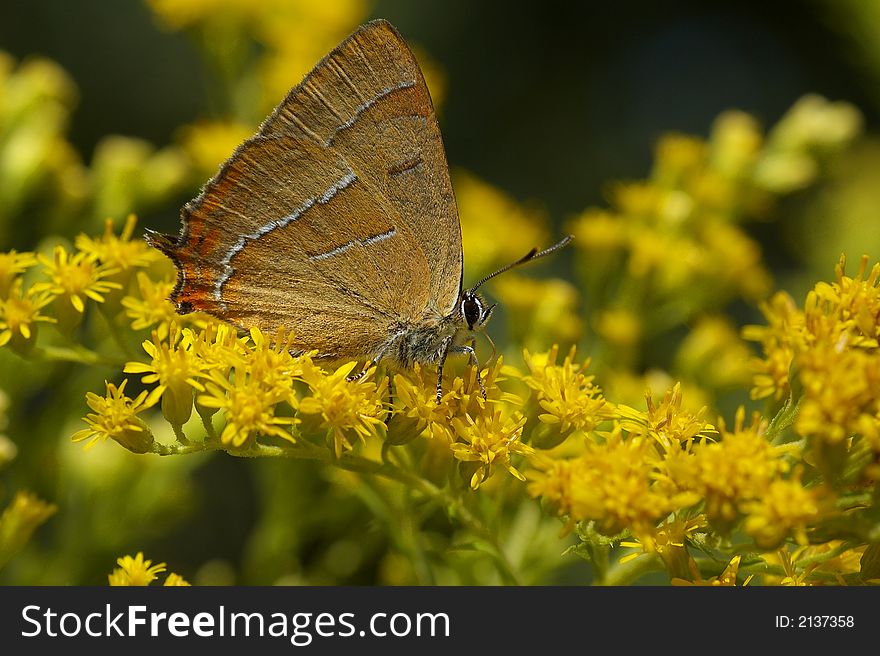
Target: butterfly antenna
point(533, 254)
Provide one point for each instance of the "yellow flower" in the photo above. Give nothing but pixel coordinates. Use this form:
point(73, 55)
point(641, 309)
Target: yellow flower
point(175, 580)
point(115, 416)
point(785, 323)
point(77, 277)
point(176, 368)
point(153, 307)
point(567, 395)
point(135, 571)
point(208, 143)
point(486, 212)
point(786, 507)
point(611, 483)
point(599, 232)
point(419, 403)
point(540, 311)
point(248, 407)
point(619, 327)
point(667, 423)
point(726, 578)
point(19, 314)
point(810, 565)
point(841, 393)
point(18, 522)
point(349, 411)
point(11, 265)
point(678, 159)
point(272, 363)
point(461, 397)
point(739, 467)
point(714, 354)
point(488, 442)
point(855, 301)
point(669, 541)
point(217, 346)
point(734, 261)
point(120, 253)
point(736, 143)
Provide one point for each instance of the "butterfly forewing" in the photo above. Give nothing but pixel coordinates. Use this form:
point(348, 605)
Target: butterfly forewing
point(337, 219)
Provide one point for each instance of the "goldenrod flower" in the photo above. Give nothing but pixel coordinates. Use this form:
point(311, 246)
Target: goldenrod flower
point(739, 467)
point(726, 578)
point(118, 252)
point(349, 411)
point(175, 580)
point(785, 324)
point(208, 143)
point(76, 278)
point(12, 264)
point(619, 327)
point(841, 393)
point(785, 508)
point(806, 565)
point(599, 232)
point(272, 363)
point(540, 311)
point(488, 442)
point(669, 540)
point(487, 212)
point(153, 307)
point(135, 571)
point(217, 346)
point(612, 483)
point(19, 520)
point(19, 314)
point(419, 403)
point(115, 416)
point(248, 407)
point(567, 395)
point(715, 355)
point(176, 368)
point(667, 423)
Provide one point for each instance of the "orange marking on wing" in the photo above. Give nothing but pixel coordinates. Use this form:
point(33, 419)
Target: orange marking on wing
point(209, 242)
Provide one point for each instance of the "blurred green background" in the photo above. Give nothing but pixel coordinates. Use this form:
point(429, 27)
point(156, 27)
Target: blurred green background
point(548, 101)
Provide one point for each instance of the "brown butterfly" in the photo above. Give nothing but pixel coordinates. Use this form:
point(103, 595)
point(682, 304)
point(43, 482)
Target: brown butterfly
point(337, 219)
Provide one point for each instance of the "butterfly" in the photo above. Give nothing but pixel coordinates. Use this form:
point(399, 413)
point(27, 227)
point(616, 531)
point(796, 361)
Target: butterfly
point(338, 220)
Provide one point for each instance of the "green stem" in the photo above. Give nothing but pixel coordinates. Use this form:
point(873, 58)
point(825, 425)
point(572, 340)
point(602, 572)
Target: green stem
point(628, 572)
point(358, 464)
point(79, 354)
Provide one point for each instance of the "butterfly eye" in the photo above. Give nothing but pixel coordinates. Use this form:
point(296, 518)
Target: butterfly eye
point(472, 309)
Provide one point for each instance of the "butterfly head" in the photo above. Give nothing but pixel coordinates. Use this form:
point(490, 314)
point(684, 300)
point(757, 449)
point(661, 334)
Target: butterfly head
point(474, 311)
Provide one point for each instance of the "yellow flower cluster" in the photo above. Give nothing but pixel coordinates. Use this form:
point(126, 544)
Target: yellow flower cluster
point(138, 571)
point(97, 271)
point(670, 251)
point(19, 520)
point(661, 475)
point(826, 357)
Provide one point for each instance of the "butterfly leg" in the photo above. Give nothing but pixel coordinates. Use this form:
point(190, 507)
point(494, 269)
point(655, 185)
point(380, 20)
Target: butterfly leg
point(372, 363)
point(363, 372)
point(444, 351)
point(390, 392)
point(472, 356)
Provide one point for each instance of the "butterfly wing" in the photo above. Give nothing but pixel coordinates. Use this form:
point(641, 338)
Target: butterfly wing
point(337, 219)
